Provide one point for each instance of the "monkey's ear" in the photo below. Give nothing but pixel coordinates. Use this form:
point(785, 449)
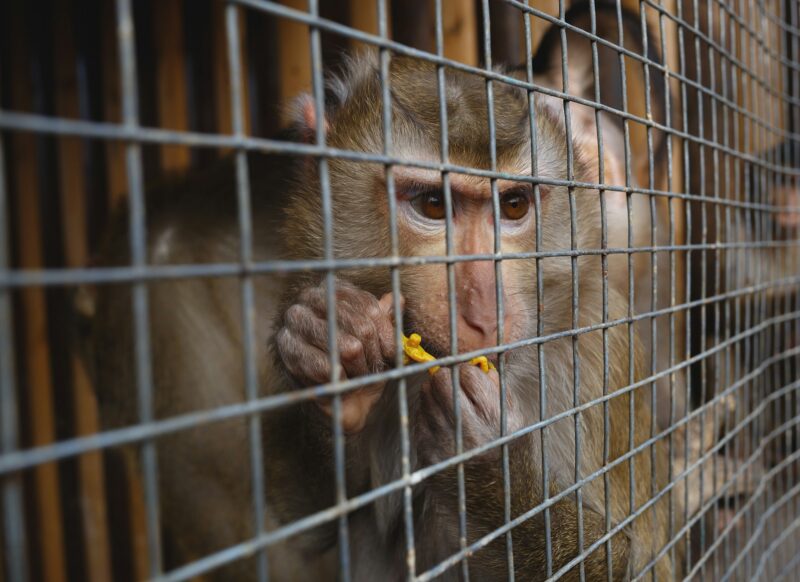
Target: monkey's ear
point(304, 118)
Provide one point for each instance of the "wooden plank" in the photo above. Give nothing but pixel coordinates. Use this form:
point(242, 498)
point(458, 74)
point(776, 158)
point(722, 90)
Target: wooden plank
point(414, 24)
point(671, 59)
point(73, 191)
point(222, 82)
point(112, 109)
point(35, 348)
point(117, 180)
point(364, 17)
point(198, 29)
point(136, 515)
point(460, 28)
point(539, 26)
point(508, 40)
point(294, 51)
point(171, 80)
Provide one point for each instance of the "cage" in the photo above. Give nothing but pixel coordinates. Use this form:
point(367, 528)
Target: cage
point(383, 290)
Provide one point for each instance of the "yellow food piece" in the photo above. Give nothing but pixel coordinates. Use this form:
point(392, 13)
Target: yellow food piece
point(416, 353)
point(483, 363)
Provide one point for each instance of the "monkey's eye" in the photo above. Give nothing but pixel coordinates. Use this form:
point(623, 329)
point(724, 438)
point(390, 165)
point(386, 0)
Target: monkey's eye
point(430, 205)
point(515, 205)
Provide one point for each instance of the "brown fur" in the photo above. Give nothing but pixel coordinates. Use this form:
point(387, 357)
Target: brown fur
point(198, 364)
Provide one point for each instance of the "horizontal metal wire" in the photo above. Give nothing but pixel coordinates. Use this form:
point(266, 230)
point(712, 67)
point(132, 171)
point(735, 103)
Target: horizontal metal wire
point(16, 278)
point(20, 460)
point(724, 488)
point(605, 469)
point(331, 26)
point(245, 549)
point(752, 335)
point(14, 120)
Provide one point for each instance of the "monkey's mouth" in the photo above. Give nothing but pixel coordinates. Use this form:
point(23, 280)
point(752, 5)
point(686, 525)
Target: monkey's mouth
point(438, 352)
point(439, 349)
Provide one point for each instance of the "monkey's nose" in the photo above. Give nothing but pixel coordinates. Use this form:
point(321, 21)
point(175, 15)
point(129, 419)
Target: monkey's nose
point(484, 323)
point(478, 327)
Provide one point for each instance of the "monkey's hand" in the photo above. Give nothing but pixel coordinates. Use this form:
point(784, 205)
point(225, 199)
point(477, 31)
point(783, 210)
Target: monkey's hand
point(365, 342)
point(479, 403)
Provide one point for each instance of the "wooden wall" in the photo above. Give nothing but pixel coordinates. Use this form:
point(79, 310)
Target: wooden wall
point(59, 58)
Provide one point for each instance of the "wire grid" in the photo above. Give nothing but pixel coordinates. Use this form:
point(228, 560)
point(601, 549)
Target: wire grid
point(755, 305)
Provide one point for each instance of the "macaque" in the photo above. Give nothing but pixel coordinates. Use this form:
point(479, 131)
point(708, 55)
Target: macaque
point(671, 401)
point(198, 361)
point(690, 441)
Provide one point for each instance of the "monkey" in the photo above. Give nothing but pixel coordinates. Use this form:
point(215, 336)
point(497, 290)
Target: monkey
point(197, 345)
point(691, 442)
point(639, 165)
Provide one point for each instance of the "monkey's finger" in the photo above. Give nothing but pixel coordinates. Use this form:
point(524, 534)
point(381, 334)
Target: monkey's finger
point(304, 362)
point(440, 417)
point(360, 326)
point(352, 355)
point(385, 324)
point(440, 389)
point(356, 406)
point(386, 303)
point(303, 322)
point(481, 391)
point(316, 297)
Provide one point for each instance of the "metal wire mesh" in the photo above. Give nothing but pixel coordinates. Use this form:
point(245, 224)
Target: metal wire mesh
point(714, 222)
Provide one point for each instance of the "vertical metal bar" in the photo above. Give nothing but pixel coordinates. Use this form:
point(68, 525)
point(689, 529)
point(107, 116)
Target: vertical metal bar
point(721, 236)
point(498, 274)
point(730, 258)
point(330, 290)
point(604, 274)
point(775, 300)
point(703, 241)
point(763, 105)
point(246, 285)
point(672, 289)
point(575, 319)
point(653, 267)
point(542, 376)
point(688, 260)
point(751, 314)
point(451, 251)
point(742, 308)
point(764, 108)
point(405, 444)
point(794, 162)
point(13, 499)
point(631, 292)
point(751, 350)
point(733, 370)
point(765, 271)
point(138, 244)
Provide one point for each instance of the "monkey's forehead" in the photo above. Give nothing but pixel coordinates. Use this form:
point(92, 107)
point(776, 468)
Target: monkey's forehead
point(356, 116)
point(417, 96)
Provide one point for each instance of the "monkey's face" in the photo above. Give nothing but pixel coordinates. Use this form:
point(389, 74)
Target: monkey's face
point(488, 301)
point(422, 228)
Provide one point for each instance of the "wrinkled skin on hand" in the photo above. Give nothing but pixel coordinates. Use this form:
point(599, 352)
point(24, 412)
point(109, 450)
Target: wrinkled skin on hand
point(365, 342)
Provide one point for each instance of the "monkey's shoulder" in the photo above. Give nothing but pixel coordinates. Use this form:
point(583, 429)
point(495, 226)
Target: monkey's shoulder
point(194, 217)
